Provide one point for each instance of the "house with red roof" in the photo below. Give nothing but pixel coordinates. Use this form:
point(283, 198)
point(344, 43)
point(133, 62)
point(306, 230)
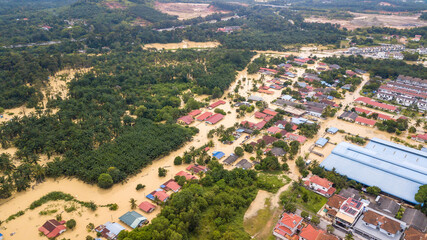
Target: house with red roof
point(147, 206)
point(197, 168)
point(295, 137)
point(320, 185)
point(420, 137)
point(185, 120)
point(287, 226)
point(260, 115)
point(161, 195)
point(52, 228)
point(267, 140)
point(361, 110)
point(273, 130)
point(186, 175)
point(384, 117)
point(265, 91)
point(204, 116)
point(309, 233)
point(365, 121)
point(171, 185)
point(194, 113)
point(383, 106)
point(270, 112)
point(248, 124)
point(216, 104)
point(350, 73)
point(260, 125)
point(268, 118)
point(215, 118)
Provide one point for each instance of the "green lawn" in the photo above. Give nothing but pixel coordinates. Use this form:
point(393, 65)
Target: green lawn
point(303, 198)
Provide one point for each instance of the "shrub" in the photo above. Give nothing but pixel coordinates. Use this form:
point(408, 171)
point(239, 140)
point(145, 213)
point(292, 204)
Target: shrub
point(70, 223)
point(140, 186)
point(162, 172)
point(177, 160)
point(105, 180)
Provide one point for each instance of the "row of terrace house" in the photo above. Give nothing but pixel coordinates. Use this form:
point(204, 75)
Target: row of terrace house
point(406, 91)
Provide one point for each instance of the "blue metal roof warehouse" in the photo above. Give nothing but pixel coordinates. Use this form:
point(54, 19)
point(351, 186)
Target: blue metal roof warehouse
point(396, 169)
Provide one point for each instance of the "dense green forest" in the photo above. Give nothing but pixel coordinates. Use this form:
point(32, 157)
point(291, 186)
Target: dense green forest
point(384, 68)
point(212, 210)
point(108, 123)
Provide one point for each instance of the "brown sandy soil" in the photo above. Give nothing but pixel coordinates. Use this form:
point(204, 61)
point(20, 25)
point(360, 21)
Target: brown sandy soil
point(187, 10)
point(362, 20)
point(183, 44)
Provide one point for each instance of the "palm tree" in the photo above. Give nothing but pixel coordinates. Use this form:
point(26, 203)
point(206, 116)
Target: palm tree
point(418, 123)
point(132, 203)
point(6, 164)
point(39, 173)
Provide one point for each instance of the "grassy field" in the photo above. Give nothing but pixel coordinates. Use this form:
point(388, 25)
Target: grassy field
point(303, 198)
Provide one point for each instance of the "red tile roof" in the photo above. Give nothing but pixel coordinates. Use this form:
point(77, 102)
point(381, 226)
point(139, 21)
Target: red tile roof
point(268, 69)
point(171, 185)
point(269, 112)
point(268, 118)
point(215, 118)
point(161, 195)
point(365, 121)
point(260, 115)
point(309, 233)
point(296, 137)
point(291, 220)
point(52, 228)
point(250, 124)
point(195, 112)
point(369, 101)
point(265, 91)
point(260, 124)
point(422, 136)
point(216, 104)
point(196, 168)
point(186, 119)
point(273, 129)
point(147, 206)
point(186, 175)
point(204, 116)
point(383, 116)
point(361, 110)
point(321, 181)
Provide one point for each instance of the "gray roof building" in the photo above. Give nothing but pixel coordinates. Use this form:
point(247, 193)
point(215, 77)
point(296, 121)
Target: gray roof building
point(415, 218)
point(278, 152)
point(231, 159)
point(350, 193)
point(133, 219)
point(385, 205)
point(245, 164)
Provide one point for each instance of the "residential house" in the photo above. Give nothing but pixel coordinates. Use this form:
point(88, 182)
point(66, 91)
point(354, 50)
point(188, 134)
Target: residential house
point(204, 116)
point(109, 230)
point(216, 104)
point(260, 125)
point(215, 118)
point(187, 120)
point(385, 205)
point(332, 130)
point(244, 164)
point(370, 102)
point(260, 115)
point(374, 225)
point(349, 212)
point(334, 205)
point(194, 113)
point(365, 121)
point(159, 194)
point(186, 175)
point(310, 233)
point(415, 218)
point(295, 137)
point(350, 193)
point(231, 159)
point(287, 226)
point(349, 116)
point(273, 130)
point(270, 112)
point(133, 219)
point(414, 234)
point(278, 152)
point(197, 168)
point(267, 140)
point(171, 185)
point(218, 154)
point(297, 112)
point(320, 185)
point(147, 207)
point(321, 142)
point(255, 98)
point(420, 137)
point(52, 228)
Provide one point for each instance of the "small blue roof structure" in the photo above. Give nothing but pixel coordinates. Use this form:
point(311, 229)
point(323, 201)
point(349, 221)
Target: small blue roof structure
point(330, 98)
point(133, 219)
point(300, 120)
point(396, 169)
point(302, 84)
point(218, 154)
point(332, 130)
point(321, 142)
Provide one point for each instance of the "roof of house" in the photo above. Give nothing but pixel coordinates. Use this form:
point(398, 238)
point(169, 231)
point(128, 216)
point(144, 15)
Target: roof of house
point(260, 125)
point(231, 159)
point(186, 119)
point(147, 206)
point(52, 228)
point(309, 233)
point(161, 195)
point(260, 115)
point(365, 121)
point(336, 201)
point(322, 141)
point(273, 129)
point(171, 185)
point(385, 223)
point(415, 218)
point(414, 234)
point(326, 236)
point(218, 154)
point(385, 205)
point(195, 112)
point(133, 219)
point(276, 151)
point(197, 168)
point(422, 136)
point(396, 169)
point(267, 140)
point(204, 116)
point(215, 118)
point(333, 130)
point(369, 101)
point(245, 164)
point(186, 175)
point(296, 137)
point(351, 115)
point(270, 112)
point(362, 110)
point(320, 181)
point(255, 98)
point(216, 104)
point(291, 220)
point(110, 230)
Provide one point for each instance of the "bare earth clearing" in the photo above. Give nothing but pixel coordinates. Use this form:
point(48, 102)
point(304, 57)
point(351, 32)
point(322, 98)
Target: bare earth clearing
point(187, 10)
point(362, 20)
point(183, 44)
